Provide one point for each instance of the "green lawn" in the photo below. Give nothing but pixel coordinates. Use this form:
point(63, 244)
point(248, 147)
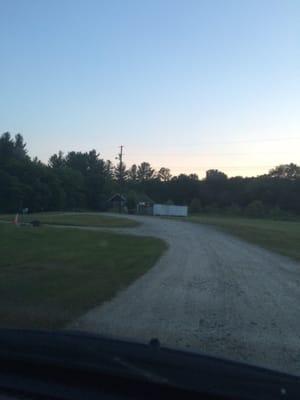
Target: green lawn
point(50, 276)
point(81, 219)
point(280, 236)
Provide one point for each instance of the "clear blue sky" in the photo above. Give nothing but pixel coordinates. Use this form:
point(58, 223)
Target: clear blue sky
point(187, 84)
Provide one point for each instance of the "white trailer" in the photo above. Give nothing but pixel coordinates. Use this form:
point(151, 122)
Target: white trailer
point(170, 210)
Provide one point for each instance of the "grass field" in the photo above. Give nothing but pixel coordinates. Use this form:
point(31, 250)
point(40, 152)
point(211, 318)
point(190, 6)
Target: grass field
point(280, 236)
point(49, 276)
point(76, 219)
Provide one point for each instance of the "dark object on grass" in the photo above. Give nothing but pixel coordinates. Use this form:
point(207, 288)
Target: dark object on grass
point(36, 223)
point(154, 343)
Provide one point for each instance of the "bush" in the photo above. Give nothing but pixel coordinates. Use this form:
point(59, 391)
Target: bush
point(131, 202)
point(212, 209)
point(255, 209)
point(195, 206)
point(275, 212)
point(234, 209)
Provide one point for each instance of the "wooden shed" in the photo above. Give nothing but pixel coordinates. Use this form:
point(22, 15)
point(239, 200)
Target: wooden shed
point(117, 202)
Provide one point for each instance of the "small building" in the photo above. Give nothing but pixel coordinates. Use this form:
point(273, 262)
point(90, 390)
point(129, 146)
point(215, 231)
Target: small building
point(170, 210)
point(144, 205)
point(117, 203)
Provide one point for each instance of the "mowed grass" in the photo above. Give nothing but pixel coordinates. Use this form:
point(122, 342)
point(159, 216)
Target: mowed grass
point(75, 219)
point(51, 276)
point(280, 236)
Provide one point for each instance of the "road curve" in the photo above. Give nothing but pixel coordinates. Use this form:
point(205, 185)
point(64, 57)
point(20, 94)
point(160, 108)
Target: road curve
point(212, 293)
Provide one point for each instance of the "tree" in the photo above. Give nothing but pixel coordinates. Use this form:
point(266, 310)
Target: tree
point(77, 161)
point(194, 177)
point(131, 202)
point(83, 180)
point(57, 160)
point(285, 171)
point(195, 206)
point(12, 192)
point(73, 183)
point(132, 173)
point(215, 175)
point(255, 209)
point(145, 172)
point(109, 169)
point(20, 151)
point(234, 209)
point(164, 174)
point(95, 164)
point(120, 172)
point(96, 175)
point(6, 148)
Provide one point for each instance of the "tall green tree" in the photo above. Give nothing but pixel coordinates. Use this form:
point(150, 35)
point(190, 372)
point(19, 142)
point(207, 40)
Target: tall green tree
point(164, 174)
point(132, 173)
point(215, 175)
point(145, 172)
point(57, 160)
point(285, 171)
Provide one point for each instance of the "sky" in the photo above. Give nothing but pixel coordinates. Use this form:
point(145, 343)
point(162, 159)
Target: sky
point(189, 85)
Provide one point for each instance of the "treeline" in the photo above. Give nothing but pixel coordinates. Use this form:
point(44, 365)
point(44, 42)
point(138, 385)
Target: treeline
point(83, 180)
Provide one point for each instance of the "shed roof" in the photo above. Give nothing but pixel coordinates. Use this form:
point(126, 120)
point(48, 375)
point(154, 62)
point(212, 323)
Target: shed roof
point(143, 198)
point(117, 197)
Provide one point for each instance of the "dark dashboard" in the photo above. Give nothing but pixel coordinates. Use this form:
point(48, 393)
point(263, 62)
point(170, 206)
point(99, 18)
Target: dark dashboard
point(73, 365)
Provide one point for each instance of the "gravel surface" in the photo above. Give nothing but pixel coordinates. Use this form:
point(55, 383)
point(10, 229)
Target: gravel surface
point(212, 293)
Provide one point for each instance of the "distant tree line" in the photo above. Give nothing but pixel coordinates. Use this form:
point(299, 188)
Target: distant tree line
point(83, 180)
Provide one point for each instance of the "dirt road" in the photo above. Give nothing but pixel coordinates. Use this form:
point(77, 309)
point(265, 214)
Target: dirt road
point(210, 292)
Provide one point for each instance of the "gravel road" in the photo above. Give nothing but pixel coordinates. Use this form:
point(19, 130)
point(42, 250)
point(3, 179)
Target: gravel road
point(212, 293)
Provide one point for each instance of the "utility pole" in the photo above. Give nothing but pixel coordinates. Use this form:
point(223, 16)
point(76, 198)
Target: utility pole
point(120, 166)
point(121, 160)
point(121, 177)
